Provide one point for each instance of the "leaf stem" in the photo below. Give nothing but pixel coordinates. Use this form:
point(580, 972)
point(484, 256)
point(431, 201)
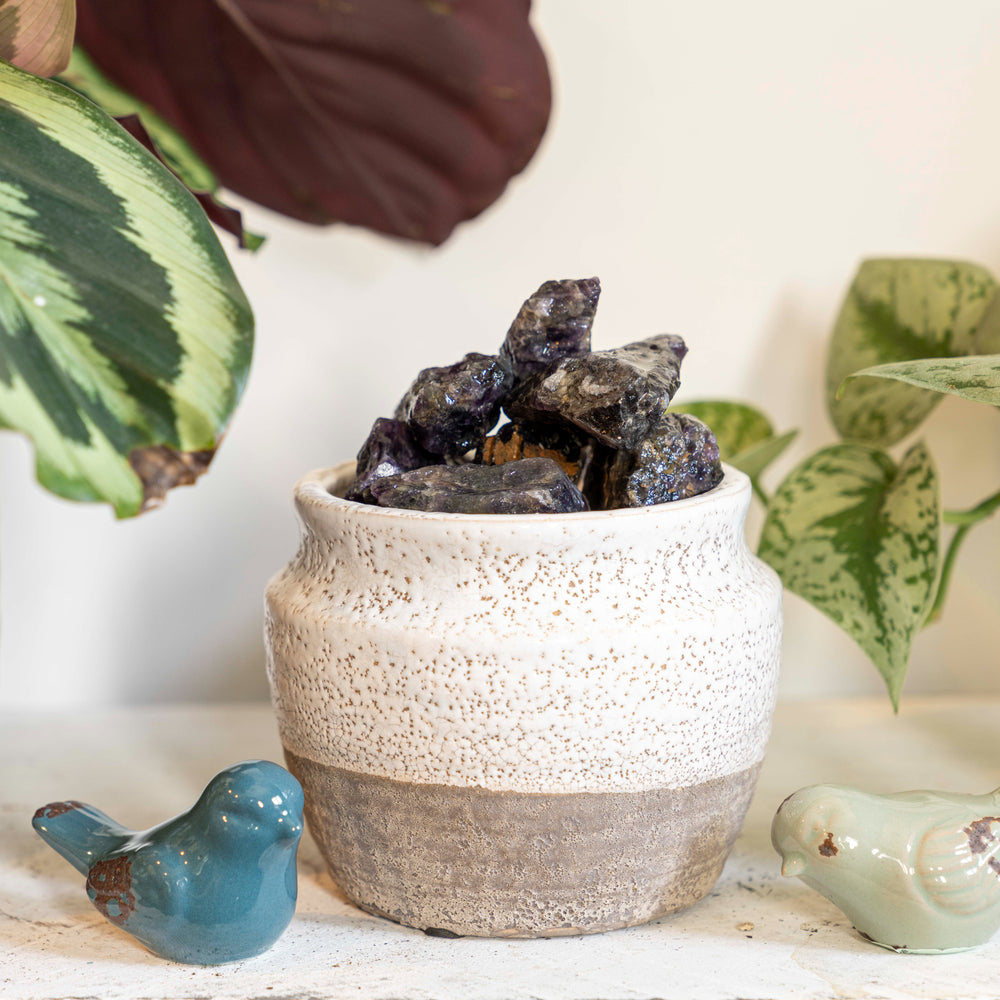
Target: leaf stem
point(974, 514)
point(759, 493)
point(965, 520)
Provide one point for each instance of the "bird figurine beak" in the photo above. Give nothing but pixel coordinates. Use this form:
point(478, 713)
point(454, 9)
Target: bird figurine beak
point(794, 864)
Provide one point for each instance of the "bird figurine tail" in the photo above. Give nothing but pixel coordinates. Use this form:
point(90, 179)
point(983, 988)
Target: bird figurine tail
point(80, 833)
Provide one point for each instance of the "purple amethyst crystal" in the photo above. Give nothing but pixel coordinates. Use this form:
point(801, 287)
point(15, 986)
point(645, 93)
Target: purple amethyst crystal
point(450, 409)
point(674, 342)
point(527, 486)
point(617, 396)
point(553, 324)
point(680, 461)
point(388, 450)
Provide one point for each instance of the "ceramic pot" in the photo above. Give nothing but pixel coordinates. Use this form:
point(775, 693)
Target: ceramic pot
point(524, 725)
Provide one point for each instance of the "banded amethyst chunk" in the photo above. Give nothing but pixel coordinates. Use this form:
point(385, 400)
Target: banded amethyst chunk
point(450, 409)
point(554, 323)
point(527, 486)
point(679, 462)
point(618, 396)
point(388, 450)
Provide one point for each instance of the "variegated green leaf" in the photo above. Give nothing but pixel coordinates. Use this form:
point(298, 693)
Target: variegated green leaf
point(122, 325)
point(84, 77)
point(755, 459)
point(976, 378)
point(900, 310)
point(857, 537)
point(160, 138)
point(986, 338)
point(745, 436)
point(37, 35)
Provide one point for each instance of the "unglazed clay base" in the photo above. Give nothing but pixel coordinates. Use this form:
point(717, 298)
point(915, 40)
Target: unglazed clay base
point(510, 864)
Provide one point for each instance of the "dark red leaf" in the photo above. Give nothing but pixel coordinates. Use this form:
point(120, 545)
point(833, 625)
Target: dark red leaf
point(404, 116)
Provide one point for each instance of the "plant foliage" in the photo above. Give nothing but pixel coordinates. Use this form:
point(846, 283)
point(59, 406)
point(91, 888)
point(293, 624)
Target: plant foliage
point(161, 139)
point(900, 310)
point(122, 326)
point(37, 35)
point(851, 530)
point(857, 537)
point(404, 116)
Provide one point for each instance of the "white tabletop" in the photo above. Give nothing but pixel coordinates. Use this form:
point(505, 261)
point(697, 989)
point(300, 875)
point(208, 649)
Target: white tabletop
point(756, 936)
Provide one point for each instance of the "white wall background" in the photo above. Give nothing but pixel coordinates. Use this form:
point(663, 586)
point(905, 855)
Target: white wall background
point(722, 167)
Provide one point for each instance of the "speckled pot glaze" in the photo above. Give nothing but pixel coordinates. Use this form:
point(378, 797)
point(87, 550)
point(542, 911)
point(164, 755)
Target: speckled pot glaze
point(524, 725)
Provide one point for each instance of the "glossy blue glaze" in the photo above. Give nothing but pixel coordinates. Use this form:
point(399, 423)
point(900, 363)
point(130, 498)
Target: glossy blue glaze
point(215, 884)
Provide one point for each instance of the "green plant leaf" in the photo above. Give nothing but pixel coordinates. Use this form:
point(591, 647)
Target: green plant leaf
point(85, 78)
point(37, 35)
point(900, 310)
point(755, 459)
point(976, 378)
point(122, 325)
point(857, 537)
point(161, 139)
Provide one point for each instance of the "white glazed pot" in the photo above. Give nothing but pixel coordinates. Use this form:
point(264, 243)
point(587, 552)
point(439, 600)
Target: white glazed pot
point(524, 725)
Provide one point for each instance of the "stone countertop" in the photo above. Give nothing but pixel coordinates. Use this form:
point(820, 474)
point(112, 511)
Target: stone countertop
point(756, 936)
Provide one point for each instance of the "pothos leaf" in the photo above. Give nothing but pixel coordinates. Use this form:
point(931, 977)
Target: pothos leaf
point(404, 116)
point(755, 459)
point(37, 35)
point(122, 326)
point(976, 378)
point(857, 537)
point(900, 310)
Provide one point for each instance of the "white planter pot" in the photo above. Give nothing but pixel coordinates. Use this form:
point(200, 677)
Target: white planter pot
point(524, 725)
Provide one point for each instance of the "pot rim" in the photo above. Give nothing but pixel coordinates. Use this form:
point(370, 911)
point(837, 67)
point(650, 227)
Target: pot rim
point(313, 491)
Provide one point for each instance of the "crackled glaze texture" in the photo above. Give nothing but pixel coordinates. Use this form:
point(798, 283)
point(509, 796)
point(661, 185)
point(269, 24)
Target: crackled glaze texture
point(595, 656)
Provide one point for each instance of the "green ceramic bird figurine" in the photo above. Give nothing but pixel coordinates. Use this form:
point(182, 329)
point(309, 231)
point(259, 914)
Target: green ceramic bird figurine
point(215, 884)
point(914, 871)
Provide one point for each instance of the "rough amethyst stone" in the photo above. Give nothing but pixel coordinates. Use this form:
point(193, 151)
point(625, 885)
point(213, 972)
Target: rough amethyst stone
point(528, 486)
point(553, 324)
point(679, 462)
point(618, 396)
point(388, 450)
point(450, 409)
point(675, 342)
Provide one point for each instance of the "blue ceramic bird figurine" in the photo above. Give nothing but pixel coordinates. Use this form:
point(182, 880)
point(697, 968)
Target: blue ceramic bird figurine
point(215, 884)
point(914, 871)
